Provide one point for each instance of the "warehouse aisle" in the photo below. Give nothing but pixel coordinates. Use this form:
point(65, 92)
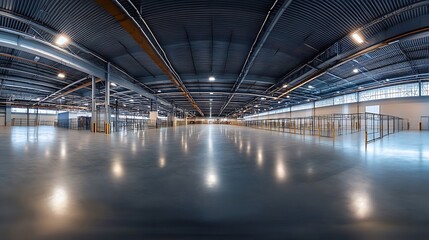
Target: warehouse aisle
point(201, 182)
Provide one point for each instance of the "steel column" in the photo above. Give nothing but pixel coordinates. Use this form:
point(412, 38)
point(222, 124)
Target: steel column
point(93, 106)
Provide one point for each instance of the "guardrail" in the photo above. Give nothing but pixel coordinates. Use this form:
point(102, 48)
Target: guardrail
point(378, 126)
point(375, 126)
point(30, 122)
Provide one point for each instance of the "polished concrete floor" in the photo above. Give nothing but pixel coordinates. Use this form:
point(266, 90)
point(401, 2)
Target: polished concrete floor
point(211, 182)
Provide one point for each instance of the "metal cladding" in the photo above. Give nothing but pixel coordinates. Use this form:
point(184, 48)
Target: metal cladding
point(201, 38)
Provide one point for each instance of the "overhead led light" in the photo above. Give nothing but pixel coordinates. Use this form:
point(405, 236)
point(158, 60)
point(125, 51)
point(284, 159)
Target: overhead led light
point(211, 93)
point(113, 84)
point(285, 86)
point(159, 91)
point(355, 70)
point(61, 75)
point(38, 99)
point(360, 87)
point(358, 38)
point(287, 96)
point(387, 80)
point(310, 87)
point(62, 40)
point(148, 106)
point(63, 98)
point(211, 100)
point(262, 98)
point(279, 102)
point(131, 100)
point(212, 78)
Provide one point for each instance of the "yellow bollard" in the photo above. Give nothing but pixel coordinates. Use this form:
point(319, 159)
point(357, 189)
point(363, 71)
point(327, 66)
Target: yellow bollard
point(366, 138)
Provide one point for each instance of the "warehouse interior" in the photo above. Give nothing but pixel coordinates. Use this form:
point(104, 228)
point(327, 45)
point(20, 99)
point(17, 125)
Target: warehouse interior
point(213, 119)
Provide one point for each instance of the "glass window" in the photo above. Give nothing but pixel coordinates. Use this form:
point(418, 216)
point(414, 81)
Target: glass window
point(324, 102)
point(425, 88)
point(348, 98)
point(302, 107)
point(398, 91)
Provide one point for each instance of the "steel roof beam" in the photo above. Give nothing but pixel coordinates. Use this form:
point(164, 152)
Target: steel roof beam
point(136, 32)
point(256, 48)
point(19, 41)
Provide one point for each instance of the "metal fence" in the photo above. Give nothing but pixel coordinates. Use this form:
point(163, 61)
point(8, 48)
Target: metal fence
point(378, 126)
point(375, 126)
point(82, 123)
point(31, 122)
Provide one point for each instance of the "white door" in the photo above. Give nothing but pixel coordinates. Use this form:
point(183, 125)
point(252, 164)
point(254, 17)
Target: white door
point(373, 109)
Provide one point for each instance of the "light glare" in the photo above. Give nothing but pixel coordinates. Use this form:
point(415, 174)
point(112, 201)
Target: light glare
point(61, 40)
point(61, 75)
point(357, 38)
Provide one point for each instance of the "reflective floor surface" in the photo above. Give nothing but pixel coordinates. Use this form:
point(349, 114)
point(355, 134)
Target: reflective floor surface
point(211, 182)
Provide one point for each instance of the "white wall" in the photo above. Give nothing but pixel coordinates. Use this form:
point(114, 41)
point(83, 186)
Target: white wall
point(408, 108)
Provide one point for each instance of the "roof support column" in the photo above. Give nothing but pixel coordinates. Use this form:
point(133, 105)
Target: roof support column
point(107, 102)
point(93, 106)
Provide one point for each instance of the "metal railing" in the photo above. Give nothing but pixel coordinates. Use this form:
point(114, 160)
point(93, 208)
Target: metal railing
point(75, 124)
point(375, 126)
point(30, 122)
point(378, 126)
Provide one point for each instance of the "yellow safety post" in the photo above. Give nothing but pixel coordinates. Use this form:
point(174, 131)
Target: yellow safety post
point(318, 130)
point(420, 126)
point(107, 128)
point(366, 138)
point(333, 133)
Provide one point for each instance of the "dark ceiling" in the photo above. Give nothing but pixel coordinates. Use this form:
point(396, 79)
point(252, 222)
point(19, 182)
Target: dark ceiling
point(310, 40)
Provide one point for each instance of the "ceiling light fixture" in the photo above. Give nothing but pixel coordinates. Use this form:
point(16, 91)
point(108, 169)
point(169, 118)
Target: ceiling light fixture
point(61, 40)
point(310, 87)
point(61, 75)
point(285, 86)
point(211, 93)
point(262, 98)
point(212, 78)
point(113, 84)
point(358, 38)
point(159, 91)
point(355, 70)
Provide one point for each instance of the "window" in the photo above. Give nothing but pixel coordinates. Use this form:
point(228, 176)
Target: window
point(425, 88)
point(324, 102)
point(349, 98)
point(302, 107)
point(398, 91)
